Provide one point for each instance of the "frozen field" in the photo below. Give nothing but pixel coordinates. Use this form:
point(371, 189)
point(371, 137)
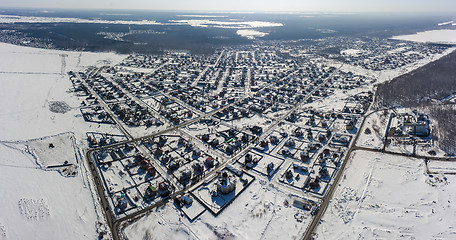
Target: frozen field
point(38, 203)
point(35, 201)
point(393, 198)
point(30, 80)
point(435, 36)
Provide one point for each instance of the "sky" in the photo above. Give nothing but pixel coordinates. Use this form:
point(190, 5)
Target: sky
point(247, 5)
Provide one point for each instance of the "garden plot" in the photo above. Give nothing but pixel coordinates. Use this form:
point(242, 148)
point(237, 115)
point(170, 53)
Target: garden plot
point(96, 114)
point(116, 177)
point(54, 150)
point(270, 143)
point(153, 183)
point(290, 147)
point(216, 201)
point(153, 103)
point(374, 130)
point(306, 151)
point(137, 170)
point(226, 140)
point(340, 140)
point(296, 175)
point(354, 107)
point(96, 139)
point(193, 209)
point(330, 157)
point(105, 156)
point(182, 159)
point(250, 160)
point(250, 121)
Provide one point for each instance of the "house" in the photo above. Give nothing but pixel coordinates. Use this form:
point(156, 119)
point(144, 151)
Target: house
point(264, 143)
point(298, 132)
point(289, 174)
point(150, 193)
point(349, 125)
point(274, 139)
point(314, 182)
point(304, 156)
point(300, 167)
point(270, 169)
point(226, 184)
point(290, 143)
point(163, 189)
point(185, 177)
point(209, 162)
point(122, 202)
point(186, 199)
point(256, 129)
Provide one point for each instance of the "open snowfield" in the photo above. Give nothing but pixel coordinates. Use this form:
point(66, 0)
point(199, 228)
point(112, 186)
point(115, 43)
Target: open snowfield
point(374, 130)
point(392, 199)
point(38, 203)
point(30, 79)
point(434, 36)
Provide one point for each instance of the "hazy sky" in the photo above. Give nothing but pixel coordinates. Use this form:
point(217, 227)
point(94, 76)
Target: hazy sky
point(248, 5)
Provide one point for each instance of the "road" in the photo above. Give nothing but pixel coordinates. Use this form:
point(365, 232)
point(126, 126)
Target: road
point(316, 220)
point(104, 105)
point(115, 223)
point(111, 219)
point(323, 206)
point(194, 83)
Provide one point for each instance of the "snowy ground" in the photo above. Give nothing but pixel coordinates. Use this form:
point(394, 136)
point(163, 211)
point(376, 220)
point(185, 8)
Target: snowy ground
point(388, 75)
point(30, 79)
point(393, 198)
point(258, 213)
point(374, 130)
point(36, 203)
point(435, 36)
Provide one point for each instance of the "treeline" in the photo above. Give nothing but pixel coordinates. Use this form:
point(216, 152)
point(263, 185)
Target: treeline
point(435, 80)
point(423, 89)
point(445, 117)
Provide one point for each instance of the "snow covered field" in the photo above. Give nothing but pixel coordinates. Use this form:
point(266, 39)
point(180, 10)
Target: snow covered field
point(41, 204)
point(30, 79)
point(38, 203)
point(392, 199)
point(434, 36)
point(374, 130)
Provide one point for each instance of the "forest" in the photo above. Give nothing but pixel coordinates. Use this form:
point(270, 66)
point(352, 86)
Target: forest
point(432, 89)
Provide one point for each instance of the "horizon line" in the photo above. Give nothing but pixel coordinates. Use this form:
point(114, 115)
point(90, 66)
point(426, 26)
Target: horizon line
point(230, 11)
